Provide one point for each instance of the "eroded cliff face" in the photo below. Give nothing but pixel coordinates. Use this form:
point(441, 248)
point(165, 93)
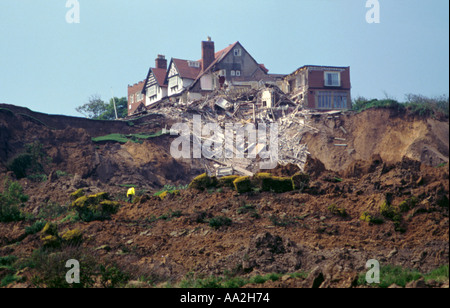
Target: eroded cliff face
point(388, 159)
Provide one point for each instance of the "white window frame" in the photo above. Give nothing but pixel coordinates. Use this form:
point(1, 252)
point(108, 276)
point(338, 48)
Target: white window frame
point(333, 84)
point(238, 73)
point(233, 73)
point(237, 52)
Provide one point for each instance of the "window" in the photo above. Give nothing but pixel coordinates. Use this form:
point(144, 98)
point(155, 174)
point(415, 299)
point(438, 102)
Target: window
point(193, 64)
point(324, 99)
point(331, 100)
point(332, 79)
point(340, 100)
point(238, 73)
point(233, 73)
point(237, 52)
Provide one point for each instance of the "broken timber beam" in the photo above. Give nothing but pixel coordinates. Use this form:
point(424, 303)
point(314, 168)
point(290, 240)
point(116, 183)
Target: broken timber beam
point(243, 171)
point(343, 129)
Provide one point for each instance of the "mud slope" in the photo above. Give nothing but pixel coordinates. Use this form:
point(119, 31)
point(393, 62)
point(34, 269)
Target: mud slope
point(327, 231)
point(68, 143)
point(378, 131)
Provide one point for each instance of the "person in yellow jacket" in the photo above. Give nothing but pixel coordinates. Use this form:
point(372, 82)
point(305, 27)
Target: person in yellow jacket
point(130, 194)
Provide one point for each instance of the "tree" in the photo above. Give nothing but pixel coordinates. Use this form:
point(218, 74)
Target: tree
point(93, 109)
point(110, 113)
point(97, 109)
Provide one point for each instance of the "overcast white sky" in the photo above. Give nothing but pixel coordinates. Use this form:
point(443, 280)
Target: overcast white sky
point(49, 65)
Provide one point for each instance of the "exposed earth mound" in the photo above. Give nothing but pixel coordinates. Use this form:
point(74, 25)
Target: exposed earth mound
point(383, 196)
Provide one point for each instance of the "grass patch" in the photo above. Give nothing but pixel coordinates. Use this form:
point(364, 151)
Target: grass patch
point(400, 276)
point(219, 221)
point(417, 105)
point(233, 282)
point(248, 208)
point(121, 138)
point(282, 220)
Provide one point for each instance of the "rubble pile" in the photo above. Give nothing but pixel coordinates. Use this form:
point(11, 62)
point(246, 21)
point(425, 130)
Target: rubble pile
point(259, 108)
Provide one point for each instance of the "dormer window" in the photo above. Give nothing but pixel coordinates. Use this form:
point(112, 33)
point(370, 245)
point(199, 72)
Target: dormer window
point(332, 79)
point(193, 64)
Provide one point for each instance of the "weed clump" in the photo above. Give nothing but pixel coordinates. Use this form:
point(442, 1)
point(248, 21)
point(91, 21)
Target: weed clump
point(336, 210)
point(219, 221)
point(365, 216)
point(392, 213)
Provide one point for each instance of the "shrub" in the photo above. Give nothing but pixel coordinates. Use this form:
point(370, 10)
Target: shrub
point(51, 270)
point(32, 161)
point(164, 194)
point(77, 194)
point(95, 207)
point(35, 228)
point(242, 184)
point(280, 184)
point(111, 276)
point(262, 180)
point(227, 181)
point(10, 200)
point(72, 237)
point(203, 182)
point(267, 182)
point(20, 164)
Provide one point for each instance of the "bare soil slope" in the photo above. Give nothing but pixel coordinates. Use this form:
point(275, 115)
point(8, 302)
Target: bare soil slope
point(389, 157)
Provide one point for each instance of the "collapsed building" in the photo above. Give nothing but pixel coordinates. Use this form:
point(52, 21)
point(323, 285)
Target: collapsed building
point(231, 87)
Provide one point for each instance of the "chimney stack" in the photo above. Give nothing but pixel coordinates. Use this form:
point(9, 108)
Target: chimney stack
point(161, 62)
point(207, 53)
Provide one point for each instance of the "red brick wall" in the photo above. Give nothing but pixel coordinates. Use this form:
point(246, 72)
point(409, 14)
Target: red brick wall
point(316, 82)
point(132, 91)
point(316, 79)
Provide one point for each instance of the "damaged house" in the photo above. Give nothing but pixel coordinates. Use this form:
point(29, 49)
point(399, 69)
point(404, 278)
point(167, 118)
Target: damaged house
point(136, 101)
point(233, 70)
point(319, 87)
point(155, 88)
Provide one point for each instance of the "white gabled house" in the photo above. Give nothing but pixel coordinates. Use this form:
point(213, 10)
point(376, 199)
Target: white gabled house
point(154, 88)
point(180, 75)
